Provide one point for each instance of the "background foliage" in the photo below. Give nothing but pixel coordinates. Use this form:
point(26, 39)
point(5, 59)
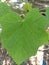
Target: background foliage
point(27, 7)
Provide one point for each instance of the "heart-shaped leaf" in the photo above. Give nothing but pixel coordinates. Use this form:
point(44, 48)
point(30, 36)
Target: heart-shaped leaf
point(23, 37)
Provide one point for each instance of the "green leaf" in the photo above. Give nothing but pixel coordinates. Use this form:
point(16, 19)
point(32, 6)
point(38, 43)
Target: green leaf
point(47, 13)
point(22, 38)
point(47, 17)
point(4, 9)
point(27, 7)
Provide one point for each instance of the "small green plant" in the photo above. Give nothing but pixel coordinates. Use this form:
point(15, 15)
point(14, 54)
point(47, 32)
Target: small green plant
point(27, 7)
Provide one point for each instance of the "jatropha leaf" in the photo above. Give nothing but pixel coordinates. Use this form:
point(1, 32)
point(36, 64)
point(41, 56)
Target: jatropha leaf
point(22, 37)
